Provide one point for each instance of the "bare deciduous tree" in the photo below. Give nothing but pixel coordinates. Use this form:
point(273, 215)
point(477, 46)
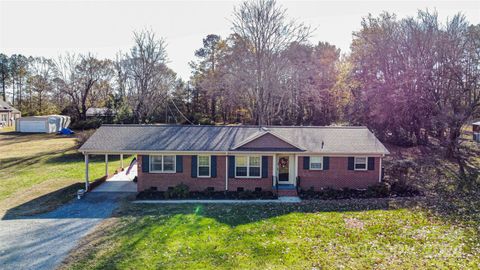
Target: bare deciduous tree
point(264, 28)
point(82, 77)
point(149, 79)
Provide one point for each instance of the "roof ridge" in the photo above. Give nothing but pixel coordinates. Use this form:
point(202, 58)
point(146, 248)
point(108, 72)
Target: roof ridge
point(237, 126)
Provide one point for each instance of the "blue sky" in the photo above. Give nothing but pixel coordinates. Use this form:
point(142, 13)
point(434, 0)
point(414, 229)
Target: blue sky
point(49, 28)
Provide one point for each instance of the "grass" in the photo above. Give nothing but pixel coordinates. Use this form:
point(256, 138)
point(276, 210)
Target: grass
point(439, 231)
point(39, 172)
point(310, 235)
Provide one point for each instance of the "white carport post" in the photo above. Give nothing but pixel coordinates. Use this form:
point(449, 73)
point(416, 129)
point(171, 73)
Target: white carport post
point(274, 169)
point(87, 183)
point(106, 165)
point(121, 161)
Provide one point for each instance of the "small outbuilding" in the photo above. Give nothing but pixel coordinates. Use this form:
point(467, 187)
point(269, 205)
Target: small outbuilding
point(476, 131)
point(100, 112)
point(42, 124)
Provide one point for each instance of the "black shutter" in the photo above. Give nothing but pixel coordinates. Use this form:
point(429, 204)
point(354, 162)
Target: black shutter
point(326, 163)
point(351, 163)
point(306, 163)
point(145, 163)
point(264, 166)
point(179, 164)
point(213, 168)
point(231, 166)
point(194, 167)
point(371, 163)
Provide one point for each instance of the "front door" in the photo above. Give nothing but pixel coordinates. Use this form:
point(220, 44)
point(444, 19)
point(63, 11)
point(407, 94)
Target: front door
point(283, 168)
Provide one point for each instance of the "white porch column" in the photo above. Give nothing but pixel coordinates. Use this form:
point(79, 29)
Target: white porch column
point(295, 169)
point(380, 170)
point(274, 169)
point(106, 165)
point(121, 161)
point(87, 183)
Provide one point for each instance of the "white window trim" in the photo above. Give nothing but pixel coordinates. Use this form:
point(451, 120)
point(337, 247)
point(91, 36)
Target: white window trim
point(248, 166)
point(355, 163)
point(209, 166)
point(162, 171)
point(315, 169)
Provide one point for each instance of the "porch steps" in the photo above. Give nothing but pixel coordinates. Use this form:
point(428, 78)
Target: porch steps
point(287, 191)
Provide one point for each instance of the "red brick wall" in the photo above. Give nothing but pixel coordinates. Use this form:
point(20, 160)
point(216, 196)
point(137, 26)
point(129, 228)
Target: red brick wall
point(252, 183)
point(164, 180)
point(338, 175)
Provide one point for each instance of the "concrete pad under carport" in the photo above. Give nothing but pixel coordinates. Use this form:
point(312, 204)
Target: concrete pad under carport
point(120, 182)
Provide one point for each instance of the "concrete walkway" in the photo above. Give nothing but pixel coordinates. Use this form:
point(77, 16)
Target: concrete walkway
point(43, 241)
point(120, 182)
point(280, 200)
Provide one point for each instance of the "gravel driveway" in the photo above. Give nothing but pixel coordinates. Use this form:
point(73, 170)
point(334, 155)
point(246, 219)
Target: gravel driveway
point(43, 241)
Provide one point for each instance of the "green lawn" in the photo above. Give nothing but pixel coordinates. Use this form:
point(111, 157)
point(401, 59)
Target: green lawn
point(38, 172)
point(304, 236)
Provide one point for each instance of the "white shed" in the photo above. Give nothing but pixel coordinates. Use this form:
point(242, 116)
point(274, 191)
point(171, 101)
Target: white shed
point(42, 124)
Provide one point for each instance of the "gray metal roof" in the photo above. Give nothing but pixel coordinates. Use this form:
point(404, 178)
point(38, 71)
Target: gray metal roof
point(150, 138)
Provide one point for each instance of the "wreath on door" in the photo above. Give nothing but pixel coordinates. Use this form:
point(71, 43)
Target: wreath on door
point(283, 162)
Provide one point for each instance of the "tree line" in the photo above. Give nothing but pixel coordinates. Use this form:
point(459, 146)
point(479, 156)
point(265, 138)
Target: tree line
point(407, 79)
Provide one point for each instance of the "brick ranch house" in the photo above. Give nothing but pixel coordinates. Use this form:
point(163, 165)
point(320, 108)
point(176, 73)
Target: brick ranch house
point(234, 158)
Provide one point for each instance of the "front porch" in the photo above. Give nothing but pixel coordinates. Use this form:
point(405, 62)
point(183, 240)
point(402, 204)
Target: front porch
point(285, 173)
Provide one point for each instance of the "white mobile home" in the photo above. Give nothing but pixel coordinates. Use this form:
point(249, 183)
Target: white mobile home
point(42, 124)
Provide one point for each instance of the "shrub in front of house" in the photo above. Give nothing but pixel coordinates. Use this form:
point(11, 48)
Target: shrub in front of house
point(381, 190)
point(181, 192)
point(403, 190)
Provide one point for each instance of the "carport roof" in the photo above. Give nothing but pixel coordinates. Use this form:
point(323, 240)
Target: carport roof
point(190, 138)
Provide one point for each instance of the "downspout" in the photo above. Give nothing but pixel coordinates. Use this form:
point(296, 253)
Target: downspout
point(226, 171)
point(380, 169)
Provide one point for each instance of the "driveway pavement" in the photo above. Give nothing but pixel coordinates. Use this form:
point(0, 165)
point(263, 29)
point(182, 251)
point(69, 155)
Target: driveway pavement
point(43, 241)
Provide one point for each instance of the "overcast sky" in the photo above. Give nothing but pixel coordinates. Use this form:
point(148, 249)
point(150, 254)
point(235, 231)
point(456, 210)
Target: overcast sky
point(49, 28)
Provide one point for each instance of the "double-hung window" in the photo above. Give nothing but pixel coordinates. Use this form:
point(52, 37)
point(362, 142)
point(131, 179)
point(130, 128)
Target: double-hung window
point(248, 166)
point(162, 163)
point(254, 166)
point(316, 163)
point(360, 163)
point(203, 166)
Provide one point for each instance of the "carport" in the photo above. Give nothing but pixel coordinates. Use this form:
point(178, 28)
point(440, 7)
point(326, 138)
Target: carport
point(120, 182)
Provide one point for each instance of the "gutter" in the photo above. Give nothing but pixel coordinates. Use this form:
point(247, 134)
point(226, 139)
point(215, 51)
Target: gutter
point(143, 152)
